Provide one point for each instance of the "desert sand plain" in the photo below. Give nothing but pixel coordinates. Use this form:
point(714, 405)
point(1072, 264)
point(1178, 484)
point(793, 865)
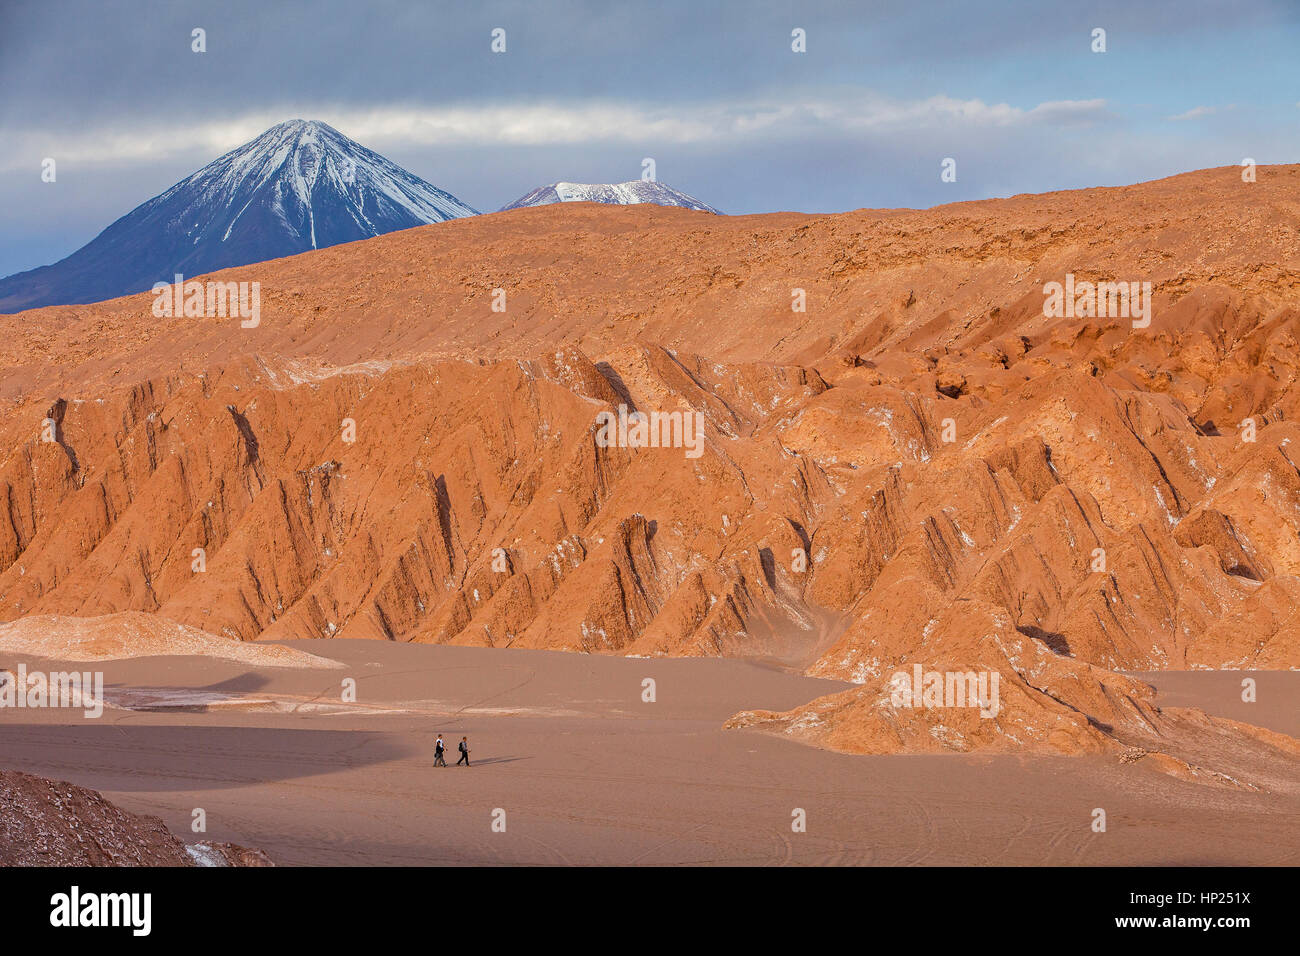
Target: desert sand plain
point(587, 772)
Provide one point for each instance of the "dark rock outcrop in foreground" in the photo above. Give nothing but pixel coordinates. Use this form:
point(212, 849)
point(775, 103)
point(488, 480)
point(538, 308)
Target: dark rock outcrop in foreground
point(56, 823)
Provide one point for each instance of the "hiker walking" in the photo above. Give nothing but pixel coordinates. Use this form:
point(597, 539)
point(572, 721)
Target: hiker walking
point(464, 752)
point(439, 748)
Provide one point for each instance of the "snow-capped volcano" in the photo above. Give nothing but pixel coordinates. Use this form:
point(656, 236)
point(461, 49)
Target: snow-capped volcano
point(300, 185)
point(619, 194)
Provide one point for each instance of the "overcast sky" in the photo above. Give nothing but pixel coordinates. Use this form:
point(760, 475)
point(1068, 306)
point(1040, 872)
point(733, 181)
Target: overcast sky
point(711, 90)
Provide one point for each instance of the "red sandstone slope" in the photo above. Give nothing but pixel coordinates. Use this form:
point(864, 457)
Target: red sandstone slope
point(969, 481)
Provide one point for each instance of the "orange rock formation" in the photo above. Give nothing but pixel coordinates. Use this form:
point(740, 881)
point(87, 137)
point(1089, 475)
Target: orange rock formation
point(919, 467)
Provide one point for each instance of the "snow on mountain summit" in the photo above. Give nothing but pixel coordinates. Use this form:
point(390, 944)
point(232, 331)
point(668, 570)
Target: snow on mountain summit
point(622, 194)
point(300, 185)
point(304, 166)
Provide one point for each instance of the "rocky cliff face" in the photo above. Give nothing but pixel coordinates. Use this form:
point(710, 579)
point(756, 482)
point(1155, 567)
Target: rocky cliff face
point(920, 467)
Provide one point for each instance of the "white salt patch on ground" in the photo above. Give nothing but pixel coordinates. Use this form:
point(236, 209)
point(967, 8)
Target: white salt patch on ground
point(129, 634)
point(205, 856)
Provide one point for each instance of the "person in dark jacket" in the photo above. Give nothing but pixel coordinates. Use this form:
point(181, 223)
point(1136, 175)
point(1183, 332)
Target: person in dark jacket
point(464, 752)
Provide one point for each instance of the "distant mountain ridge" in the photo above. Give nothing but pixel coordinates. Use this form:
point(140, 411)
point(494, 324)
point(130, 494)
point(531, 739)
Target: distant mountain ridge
point(301, 185)
point(619, 194)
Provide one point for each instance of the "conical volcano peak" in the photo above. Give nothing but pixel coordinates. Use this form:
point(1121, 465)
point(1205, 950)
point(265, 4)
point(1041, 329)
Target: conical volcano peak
point(301, 130)
point(315, 184)
point(299, 185)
